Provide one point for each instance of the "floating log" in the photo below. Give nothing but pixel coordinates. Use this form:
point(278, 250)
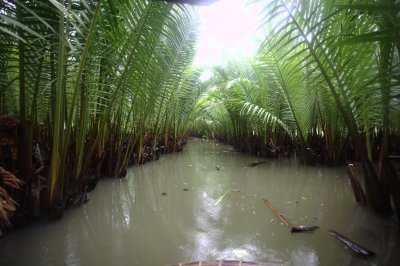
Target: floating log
point(256, 163)
point(357, 188)
point(303, 228)
point(280, 216)
point(226, 263)
point(358, 249)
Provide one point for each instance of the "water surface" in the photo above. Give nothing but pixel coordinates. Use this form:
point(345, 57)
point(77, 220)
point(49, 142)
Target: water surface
point(130, 222)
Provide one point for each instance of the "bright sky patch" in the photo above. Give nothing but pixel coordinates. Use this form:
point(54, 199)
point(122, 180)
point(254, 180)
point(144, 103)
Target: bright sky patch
point(229, 28)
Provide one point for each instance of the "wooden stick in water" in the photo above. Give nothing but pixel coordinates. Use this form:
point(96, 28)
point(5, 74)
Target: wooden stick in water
point(222, 197)
point(280, 216)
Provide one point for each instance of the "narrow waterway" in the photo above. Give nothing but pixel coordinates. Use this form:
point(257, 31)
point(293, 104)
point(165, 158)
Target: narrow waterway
point(172, 211)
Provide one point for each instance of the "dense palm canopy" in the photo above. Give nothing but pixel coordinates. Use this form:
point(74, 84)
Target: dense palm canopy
point(87, 80)
point(327, 77)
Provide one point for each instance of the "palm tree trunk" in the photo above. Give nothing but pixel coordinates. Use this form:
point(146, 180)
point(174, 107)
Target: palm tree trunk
point(386, 54)
point(58, 119)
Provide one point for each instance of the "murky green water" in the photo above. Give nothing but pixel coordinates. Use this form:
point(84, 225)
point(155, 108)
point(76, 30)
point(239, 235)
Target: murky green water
point(130, 222)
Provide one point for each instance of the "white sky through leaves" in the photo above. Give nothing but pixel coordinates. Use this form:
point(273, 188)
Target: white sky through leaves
point(228, 28)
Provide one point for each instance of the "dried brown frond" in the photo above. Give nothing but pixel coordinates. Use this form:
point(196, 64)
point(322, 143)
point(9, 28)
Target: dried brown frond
point(7, 204)
point(10, 179)
point(7, 208)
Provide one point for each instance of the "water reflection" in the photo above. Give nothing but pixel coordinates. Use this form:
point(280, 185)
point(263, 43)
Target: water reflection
point(130, 222)
point(304, 256)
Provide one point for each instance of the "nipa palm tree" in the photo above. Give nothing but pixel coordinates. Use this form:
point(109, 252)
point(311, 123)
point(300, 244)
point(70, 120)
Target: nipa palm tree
point(87, 79)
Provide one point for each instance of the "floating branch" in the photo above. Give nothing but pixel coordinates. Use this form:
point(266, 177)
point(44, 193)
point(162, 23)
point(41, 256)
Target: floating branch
point(294, 229)
point(223, 196)
point(278, 214)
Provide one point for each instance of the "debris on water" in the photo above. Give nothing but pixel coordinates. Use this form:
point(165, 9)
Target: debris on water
point(289, 202)
point(256, 163)
point(357, 248)
point(271, 221)
point(164, 194)
point(185, 189)
point(302, 228)
point(297, 202)
point(254, 212)
point(236, 190)
point(303, 198)
point(217, 167)
point(322, 205)
point(223, 196)
point(190, 165)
